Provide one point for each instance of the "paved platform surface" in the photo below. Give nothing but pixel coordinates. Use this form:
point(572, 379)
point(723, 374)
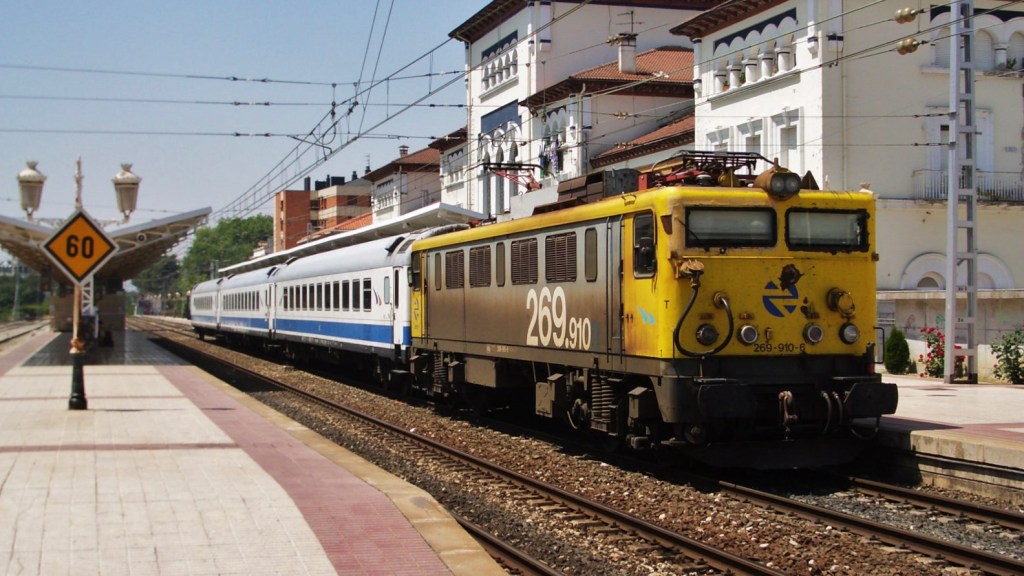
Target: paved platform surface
point(973, 423)
point(170, 472)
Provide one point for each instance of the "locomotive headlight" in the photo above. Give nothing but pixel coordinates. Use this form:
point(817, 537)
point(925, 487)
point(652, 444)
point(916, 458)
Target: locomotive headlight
point(849, 333)
point(813, 333)
point(841, 301)
point(707, 334)
point(778, 182)
point(747, 334)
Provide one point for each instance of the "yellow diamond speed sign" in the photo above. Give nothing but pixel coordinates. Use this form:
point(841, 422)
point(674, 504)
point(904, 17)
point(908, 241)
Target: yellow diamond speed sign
point(80, 247)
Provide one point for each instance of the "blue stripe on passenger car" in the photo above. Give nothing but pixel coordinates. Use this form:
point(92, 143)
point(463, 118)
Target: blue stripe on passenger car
point(376, 333)
point(243, 322)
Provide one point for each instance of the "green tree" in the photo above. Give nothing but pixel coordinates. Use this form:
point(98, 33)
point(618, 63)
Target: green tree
point(897, 353)
point(160, 278)
point(30, 299)
point(231, 241)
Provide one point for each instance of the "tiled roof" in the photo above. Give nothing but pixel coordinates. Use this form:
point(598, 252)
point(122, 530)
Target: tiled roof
point(428, 159)
point(354, 223)
point(456, 138)
point(675, 62)
point(671, 135)
point(425, 156)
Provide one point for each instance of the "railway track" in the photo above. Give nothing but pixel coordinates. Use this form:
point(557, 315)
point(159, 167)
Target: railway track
point(644, 538)
point(11, 331)
point(634, 534)
point(952, 552)
point(1010, 519)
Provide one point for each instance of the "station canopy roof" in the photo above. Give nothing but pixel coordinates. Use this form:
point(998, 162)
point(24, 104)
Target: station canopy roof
point(139, 245)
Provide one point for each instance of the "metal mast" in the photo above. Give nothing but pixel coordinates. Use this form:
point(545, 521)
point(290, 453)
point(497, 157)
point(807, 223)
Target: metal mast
point(961, 220)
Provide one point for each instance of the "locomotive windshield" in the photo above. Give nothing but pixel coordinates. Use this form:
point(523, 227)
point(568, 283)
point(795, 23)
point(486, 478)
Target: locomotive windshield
point(826, 230)
point(730, 227)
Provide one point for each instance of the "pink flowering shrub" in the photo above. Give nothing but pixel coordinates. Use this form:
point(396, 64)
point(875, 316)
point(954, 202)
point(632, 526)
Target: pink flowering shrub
point(934, 362)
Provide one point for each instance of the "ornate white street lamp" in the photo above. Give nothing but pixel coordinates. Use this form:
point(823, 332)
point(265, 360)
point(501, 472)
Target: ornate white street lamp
point(126, 186)
point(30, 182)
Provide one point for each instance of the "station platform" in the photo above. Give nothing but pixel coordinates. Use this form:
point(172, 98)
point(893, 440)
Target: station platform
point(965, 436)
point(171, 471)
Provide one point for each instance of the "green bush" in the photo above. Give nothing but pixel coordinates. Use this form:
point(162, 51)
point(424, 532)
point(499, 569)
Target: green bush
point(1009, 352)
point(897, 353)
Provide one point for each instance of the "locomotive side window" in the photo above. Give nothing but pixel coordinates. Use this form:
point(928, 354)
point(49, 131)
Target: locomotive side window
point(590, 255)
point(319, 296)
point(344, 295)
point(826, 230)
point(416, 272)
point(645, 262)
point(454, 269)
point(524, 261)
point(367, 294)
point(560, 257)
point(730, 227)
point(480, 266)
point(355, 294)
point(335, 295)
point(437, 271)
point(499, 263)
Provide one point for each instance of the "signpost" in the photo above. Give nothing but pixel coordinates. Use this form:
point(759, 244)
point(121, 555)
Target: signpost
point(79, 248)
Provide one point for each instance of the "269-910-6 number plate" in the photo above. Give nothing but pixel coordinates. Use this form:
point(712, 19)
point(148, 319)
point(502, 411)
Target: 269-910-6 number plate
point(779, 348)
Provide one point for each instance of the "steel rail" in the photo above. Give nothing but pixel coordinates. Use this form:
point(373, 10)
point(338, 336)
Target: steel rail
point(980, 512)
point(693, 549)
point(961, 555)
point(505, 554)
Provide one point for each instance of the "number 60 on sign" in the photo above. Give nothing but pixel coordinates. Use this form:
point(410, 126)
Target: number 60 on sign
point(80, 247)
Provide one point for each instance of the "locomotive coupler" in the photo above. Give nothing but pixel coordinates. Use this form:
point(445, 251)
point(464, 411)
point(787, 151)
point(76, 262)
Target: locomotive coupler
point(787, 409)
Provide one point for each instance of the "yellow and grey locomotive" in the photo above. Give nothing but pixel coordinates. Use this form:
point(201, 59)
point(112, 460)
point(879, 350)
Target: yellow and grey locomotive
point(705, 317)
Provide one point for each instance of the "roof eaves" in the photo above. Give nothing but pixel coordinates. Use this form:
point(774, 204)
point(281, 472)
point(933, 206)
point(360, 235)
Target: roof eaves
point(725, 14)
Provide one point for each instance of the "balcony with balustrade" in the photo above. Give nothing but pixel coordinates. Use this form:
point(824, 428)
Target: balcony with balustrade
point(993, 187)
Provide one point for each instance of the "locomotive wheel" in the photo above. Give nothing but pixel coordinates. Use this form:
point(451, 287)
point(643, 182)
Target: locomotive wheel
point(612, 443)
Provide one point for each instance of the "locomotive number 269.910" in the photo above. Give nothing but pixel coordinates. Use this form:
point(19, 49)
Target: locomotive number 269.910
point(550, 324)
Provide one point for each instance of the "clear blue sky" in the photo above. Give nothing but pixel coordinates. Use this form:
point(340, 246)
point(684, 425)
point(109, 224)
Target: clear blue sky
point(116, 59)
